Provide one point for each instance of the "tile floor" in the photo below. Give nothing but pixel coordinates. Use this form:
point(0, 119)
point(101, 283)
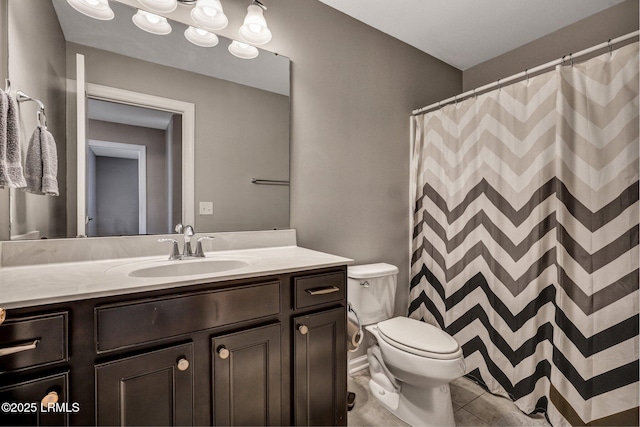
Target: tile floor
point(472, 406)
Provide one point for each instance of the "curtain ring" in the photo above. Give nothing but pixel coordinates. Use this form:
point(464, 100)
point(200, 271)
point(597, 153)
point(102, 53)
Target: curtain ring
point(7, 85)
point(610, 47)
point(474, 93)
point(571, 58)
point(526, 72)
point(455, 99)
point(499, 85)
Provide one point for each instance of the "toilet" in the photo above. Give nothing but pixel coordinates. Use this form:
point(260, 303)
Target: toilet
point(411, 362)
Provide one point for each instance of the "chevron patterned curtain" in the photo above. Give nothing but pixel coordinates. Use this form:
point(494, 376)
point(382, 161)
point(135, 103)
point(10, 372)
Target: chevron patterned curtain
point(525, 239)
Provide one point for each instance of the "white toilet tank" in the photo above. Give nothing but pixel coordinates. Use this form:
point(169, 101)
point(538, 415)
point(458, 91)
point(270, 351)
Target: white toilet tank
point(371, 291)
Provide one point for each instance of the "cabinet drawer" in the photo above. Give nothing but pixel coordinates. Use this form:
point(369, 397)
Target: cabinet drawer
point(33, 341)
point(33, 392)
point(319, 289)
point(122, 325)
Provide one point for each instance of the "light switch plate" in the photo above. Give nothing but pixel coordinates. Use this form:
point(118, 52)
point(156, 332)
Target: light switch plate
point(206, 208)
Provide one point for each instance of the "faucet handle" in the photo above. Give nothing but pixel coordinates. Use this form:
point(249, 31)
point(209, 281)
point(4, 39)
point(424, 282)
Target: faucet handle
point(175, 252)
point(199, 251)
point(178, 228)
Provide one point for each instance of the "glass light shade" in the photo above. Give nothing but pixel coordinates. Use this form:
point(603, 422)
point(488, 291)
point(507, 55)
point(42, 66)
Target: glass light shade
point(255, 30)
point(160, 6)
point(243, 50)
point(151, 23)
point(208, 14)
point(97, 9)
point(201, 37)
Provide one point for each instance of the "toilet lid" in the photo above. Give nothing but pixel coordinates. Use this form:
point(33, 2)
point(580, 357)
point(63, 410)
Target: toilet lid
point(418, 337)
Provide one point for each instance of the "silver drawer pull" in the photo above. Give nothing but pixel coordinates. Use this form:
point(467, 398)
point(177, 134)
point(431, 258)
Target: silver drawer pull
point(323, 291)
point(18, 348)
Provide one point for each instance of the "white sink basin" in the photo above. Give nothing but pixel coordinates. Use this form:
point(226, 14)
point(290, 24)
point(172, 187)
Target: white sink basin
point(189, 268)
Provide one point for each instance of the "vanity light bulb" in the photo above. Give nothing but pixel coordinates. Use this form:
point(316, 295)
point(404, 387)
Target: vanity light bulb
point(151, 23)
point(201, 37)
point(209, 11)
point(243, 50)
point(208, 14)
point(254, 30)
point(160, 6)
point(97, 9)
point(153, 19)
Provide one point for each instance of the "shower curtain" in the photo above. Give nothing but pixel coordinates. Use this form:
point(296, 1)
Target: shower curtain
point(525, 237)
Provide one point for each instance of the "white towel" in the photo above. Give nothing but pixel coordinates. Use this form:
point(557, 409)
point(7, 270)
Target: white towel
point(41, 165)
point(11, 174)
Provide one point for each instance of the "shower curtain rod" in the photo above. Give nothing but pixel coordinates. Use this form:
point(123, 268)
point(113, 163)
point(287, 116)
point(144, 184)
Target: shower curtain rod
point(526, 73)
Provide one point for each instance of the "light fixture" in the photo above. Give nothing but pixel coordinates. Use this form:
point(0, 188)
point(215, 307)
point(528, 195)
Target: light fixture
point(208, 14)
point(201, 37)
point(151, 23)
point(160, 6)
point(255, 30)
point(243, 50)
point(97, 9)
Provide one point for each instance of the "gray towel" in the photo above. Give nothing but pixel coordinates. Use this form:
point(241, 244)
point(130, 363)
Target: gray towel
point(11, 174)
point(41, 165)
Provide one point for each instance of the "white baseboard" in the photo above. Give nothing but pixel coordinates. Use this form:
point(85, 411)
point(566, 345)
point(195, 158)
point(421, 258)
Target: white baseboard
point(358, 364)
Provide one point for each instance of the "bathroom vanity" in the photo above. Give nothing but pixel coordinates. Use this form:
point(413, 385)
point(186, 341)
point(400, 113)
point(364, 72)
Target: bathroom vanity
point(262, 344)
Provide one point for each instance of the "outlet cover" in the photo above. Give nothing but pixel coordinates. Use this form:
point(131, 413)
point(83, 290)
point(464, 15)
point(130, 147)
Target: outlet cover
point(206, 208)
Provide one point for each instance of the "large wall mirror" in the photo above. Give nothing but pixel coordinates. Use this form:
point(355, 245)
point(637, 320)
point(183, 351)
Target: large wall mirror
point(150, 130)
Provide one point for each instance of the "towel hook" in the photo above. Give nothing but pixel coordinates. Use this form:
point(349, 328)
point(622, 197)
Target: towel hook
point(42, 118)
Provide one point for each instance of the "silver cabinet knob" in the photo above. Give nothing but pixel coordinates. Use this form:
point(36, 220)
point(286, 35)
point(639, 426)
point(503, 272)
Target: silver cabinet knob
point(304, 330)
point(183, 364)
point(223, 353)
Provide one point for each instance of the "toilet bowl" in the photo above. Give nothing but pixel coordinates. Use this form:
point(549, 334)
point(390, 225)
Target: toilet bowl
point(411, 362)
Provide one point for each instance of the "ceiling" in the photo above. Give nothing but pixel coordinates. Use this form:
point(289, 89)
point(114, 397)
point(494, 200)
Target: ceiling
point(464, 33)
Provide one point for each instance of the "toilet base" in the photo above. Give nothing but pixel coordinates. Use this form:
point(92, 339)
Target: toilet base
point(418, 406)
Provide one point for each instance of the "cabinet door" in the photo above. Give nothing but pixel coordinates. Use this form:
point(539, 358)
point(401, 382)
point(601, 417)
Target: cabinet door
point(154, 388)
point(247, 380)
point(27, 398)
point(320, 369)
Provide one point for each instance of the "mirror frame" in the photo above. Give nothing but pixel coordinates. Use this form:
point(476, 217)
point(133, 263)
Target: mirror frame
point(86, 90)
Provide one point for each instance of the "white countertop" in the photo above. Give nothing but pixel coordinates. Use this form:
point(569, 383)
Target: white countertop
point(51, 283)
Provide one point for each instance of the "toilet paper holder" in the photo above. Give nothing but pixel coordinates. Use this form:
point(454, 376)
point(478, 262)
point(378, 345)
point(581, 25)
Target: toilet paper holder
point(355, 335)
point(350, 309)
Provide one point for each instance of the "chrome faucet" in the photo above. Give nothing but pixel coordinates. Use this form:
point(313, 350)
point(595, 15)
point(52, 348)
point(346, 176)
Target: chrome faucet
point(187, 252)
point(187, 230)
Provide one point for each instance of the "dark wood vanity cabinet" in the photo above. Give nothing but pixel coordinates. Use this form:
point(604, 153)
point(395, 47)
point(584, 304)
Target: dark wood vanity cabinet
point(259, 351)
point(247, 377)
point(154, 388)
point(319, 372)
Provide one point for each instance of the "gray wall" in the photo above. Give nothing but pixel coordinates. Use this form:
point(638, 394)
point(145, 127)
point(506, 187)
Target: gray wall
point(117, 212)
point(608, 24)
point(37, 66)
point(156, 152)
point(353, 90)
point(4, 73)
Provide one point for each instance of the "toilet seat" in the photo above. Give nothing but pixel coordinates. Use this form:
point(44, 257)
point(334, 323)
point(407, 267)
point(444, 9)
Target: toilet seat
point(419, 338)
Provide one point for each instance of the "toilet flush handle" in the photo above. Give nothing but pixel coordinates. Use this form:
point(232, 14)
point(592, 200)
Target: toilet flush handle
point(365, 284)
